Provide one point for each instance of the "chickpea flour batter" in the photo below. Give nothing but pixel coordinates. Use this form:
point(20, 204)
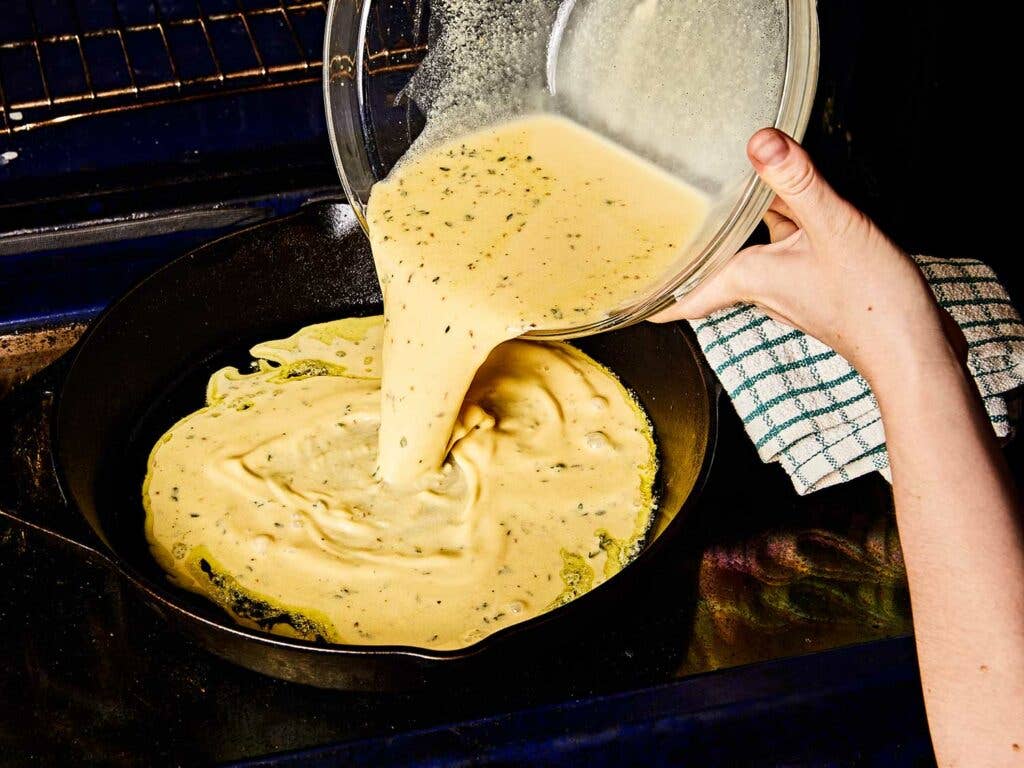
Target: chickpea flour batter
point(266, 501)
point(536, 223)
point(414, 480)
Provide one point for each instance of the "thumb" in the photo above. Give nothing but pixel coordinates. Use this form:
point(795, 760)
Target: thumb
point(785, 167)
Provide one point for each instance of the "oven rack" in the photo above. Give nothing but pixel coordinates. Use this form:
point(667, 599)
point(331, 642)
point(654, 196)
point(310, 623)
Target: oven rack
point(63, 60)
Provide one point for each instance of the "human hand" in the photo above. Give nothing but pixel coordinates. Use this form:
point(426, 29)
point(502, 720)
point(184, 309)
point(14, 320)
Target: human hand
point(830, 272)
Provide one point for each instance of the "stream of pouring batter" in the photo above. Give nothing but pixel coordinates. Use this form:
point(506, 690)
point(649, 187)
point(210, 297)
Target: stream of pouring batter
point(536, 223)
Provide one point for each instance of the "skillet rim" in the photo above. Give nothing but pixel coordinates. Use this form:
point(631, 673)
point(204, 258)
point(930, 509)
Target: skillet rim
point(164, 595)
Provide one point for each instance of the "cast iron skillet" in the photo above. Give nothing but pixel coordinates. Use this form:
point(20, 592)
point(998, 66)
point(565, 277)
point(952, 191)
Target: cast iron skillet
point(143, 364)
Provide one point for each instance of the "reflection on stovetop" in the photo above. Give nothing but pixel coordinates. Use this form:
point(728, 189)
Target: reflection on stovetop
point(87, 664)
point(830, 578)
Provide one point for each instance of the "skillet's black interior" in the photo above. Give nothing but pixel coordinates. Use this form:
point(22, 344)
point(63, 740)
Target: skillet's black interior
point(144, 364)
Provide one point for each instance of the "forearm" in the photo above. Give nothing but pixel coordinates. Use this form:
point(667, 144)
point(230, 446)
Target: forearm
point(961, 533)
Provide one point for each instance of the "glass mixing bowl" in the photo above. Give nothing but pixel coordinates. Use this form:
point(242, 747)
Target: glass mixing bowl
point(374, 47)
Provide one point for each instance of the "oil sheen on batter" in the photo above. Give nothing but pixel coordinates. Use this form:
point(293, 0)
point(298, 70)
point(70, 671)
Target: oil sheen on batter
point(536, 223)
point(266, 500)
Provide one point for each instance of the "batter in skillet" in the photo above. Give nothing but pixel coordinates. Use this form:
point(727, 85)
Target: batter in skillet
point(479, 483)
point(266, 499)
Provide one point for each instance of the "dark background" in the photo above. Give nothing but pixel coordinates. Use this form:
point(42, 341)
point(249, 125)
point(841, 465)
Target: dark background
point(910, 125)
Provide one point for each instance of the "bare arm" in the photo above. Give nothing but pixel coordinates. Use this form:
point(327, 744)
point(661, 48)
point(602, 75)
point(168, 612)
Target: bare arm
point(830, 272)
point(961, 535)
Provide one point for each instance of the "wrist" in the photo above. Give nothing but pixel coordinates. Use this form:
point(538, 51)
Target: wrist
point(915, 338)
point(916, 367)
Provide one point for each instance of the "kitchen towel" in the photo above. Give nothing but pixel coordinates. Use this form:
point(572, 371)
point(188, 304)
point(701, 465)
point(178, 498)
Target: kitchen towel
point(806, 407)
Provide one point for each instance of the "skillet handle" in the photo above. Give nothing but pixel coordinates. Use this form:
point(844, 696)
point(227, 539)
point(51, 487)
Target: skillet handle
point(30, 494)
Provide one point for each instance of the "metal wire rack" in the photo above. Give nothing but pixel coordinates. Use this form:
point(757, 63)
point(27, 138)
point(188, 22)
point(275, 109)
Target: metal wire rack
point(61, 60)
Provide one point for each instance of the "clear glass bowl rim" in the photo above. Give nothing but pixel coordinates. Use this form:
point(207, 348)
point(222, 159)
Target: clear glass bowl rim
point(344, 102)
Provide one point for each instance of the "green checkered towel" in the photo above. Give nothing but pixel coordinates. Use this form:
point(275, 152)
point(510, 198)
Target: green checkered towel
point(805, 406)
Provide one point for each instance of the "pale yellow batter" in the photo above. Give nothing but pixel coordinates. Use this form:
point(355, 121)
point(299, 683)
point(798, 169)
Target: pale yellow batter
point(265, 500)
point(315, 499)
point(532, 224)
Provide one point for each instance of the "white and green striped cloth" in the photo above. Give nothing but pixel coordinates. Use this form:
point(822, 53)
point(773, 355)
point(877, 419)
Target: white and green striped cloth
point(805, 406)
